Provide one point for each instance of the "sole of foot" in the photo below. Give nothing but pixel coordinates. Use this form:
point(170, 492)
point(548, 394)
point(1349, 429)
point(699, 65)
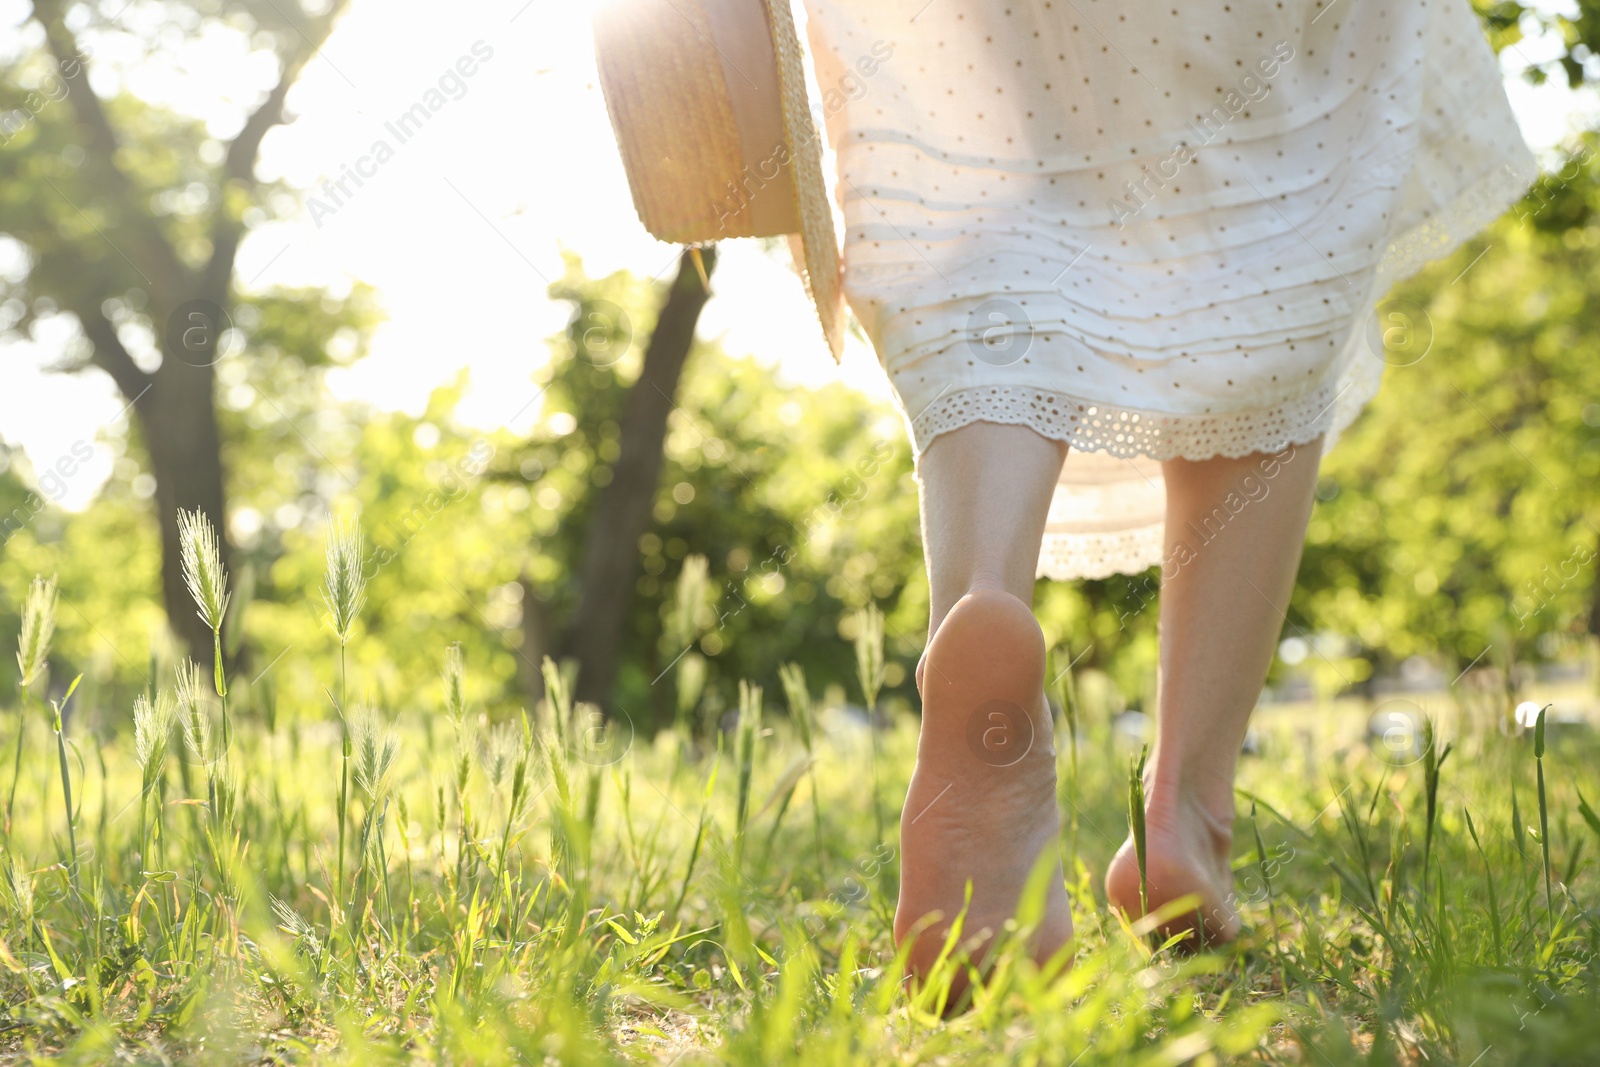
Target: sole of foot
point(1186, 855)
point(982, 801)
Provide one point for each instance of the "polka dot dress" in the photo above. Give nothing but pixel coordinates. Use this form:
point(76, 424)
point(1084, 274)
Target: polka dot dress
point(1149, 230)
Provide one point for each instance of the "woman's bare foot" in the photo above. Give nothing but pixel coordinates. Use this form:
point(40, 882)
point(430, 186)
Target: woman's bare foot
point(1187, 853)
point(982, 800)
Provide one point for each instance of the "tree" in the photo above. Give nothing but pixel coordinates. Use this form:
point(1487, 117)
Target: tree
point(102, 195)
point(1460, 509)
point(621, 516)
point(1577, 28)
point(802, 502)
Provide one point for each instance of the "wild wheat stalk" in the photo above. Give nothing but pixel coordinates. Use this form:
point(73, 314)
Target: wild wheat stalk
point(344, 587)
point(18, 887)
point(870, 672)
point(38, 627)
point(375, 749)
point(455, 704)
point(33, 655)
point(517, 754)
point(803, 713)
point(344, 590)
point(192, 711)
point(152, 732)
point(200, 550)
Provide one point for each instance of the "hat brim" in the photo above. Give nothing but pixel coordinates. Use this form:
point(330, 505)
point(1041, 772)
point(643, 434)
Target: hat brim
point(697, 155)
point(818, 256)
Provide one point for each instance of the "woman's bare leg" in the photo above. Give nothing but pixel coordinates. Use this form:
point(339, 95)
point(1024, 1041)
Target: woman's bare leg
point(981, 806)
point(1234, 531)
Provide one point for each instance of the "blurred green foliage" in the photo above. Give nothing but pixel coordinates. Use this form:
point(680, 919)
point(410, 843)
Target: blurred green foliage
point(1461, 509)
point(801, 500)
point(1455, 515)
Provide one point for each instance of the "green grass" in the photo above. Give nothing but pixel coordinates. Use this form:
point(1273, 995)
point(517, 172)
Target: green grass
point(557, 889)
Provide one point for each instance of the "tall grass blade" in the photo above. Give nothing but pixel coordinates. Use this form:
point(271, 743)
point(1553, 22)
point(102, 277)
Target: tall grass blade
point(1136, 822)
point(1432, 760)
point(1496, 926)
point(802, 712)
point(1544, 815)
point(749, 731)
point(57, 708)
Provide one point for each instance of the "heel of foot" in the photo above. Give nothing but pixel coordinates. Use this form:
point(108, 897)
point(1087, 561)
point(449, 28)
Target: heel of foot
point(991, 632)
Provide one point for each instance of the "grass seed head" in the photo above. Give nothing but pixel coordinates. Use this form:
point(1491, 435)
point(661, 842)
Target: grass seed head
point(748, 733)
point(374, 750)
point(289, 920)
point(190, 685)
point(344, 586)
point(201, 552)
point(558, 679)
point(801, 709)
point(454, 674)
point(19, 890)
point(463, 763)
point(293, 923)
point(152, 727)
point(501, 752)
point(38, 627)
point(869, 653)
point(691, 683)
point(685, 620)
point(192, 709)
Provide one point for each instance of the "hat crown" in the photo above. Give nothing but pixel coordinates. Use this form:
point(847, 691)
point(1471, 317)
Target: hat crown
point(697, 102)
point(708, 102)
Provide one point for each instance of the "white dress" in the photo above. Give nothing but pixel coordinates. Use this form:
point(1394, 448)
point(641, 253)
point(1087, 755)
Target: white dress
point(1151, 230)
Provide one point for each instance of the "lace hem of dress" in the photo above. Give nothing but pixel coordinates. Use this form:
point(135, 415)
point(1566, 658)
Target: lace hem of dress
point(1478, 205)
point(1127, 432)
point(1100, 554)
point(1067, 553)
point(1088, 426)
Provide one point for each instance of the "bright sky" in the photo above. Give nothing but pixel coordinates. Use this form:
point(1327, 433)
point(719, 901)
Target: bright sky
point(462, 229)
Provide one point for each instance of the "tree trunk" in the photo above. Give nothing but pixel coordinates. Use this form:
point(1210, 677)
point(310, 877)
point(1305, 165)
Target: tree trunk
point(536, 640)
point(610, 562)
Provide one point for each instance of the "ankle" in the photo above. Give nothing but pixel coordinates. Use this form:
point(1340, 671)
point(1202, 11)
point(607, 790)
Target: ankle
point(1189, 806)
point(987, 582)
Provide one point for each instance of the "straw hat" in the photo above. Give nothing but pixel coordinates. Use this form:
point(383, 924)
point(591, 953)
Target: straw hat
point(708, 101)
